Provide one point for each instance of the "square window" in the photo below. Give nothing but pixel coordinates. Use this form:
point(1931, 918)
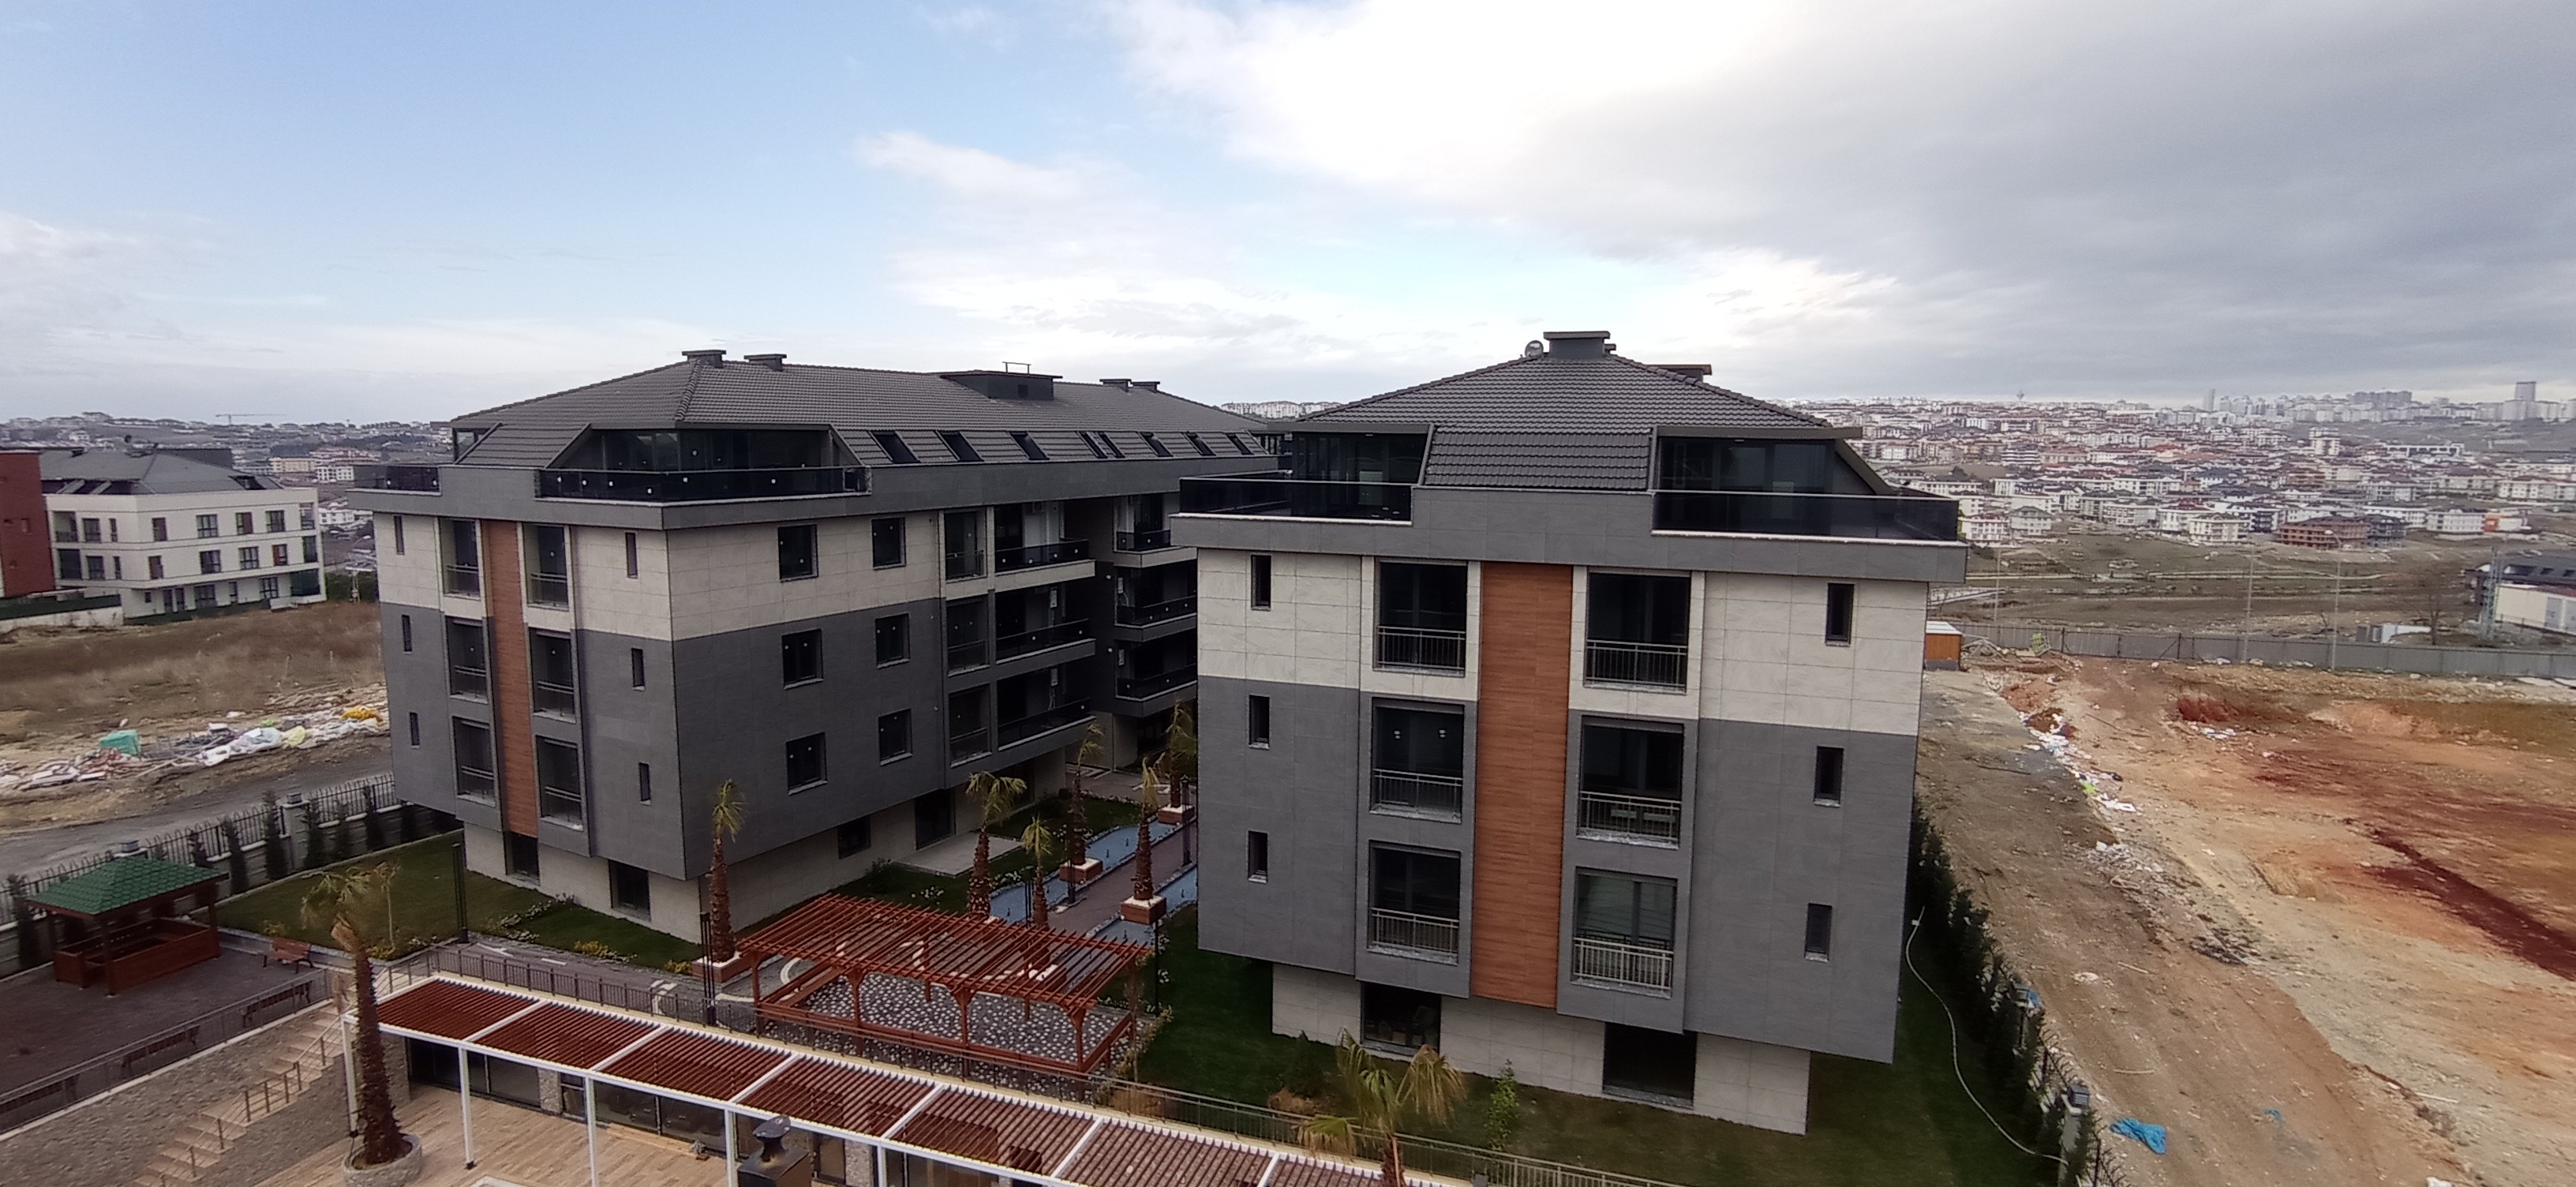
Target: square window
point(249, 558)
point(885, 539)
point(277, 521)
point(894, 638)
point(804, 761)
point(210, 561)
point(1256, 856)
point(1260, 582)
point(855, 837)
point(1406, 1019)
point(800, 657)
point(796, 552)
point(1649, 1062)
point(629, 889)
point(1820, 931)
point(1838, 612)
point(894, 735)
point(206, 527)
point(518, 855)
point(1829, 774)
point(1258, 722)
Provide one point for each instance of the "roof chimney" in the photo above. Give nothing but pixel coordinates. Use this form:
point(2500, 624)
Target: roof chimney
point(1120, 384)
point(1577, 344)
point(775, 362)
point(1151, 385)
point(704, 358)
point(1696, 372)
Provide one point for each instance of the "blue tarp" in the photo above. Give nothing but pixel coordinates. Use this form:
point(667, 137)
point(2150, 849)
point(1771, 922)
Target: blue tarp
point(2150, 1136)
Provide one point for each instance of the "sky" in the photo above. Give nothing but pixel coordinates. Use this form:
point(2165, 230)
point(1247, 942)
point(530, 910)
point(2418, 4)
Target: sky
point(359, 211)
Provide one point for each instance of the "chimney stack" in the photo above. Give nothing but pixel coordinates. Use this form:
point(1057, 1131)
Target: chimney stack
point(1578, 344)
point(775, 362)
point(704, 358)
point(1696, 372)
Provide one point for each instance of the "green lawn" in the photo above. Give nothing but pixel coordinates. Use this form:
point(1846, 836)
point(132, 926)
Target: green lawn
point(424, 909)
point(1905, 1124)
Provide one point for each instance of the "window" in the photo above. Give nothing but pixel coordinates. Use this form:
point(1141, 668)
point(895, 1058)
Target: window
point(804, 761)
point(304, 517)
point(1258, 722)
point(635, 666)
point(800, 657)
point(1623, 930)
point(559, 782)
point(160, 529)
point(796, 552)
point(1419, 762)
point(958, 447)
point(67, 563)
point(855, 837)
point(98, 567)
point(1422, 616)
point(468, 672)
point(1256, 856)
point(206, 528)
point(66, 528)
point(241, 523)
point(1029, 446)
point(968, 735)
point(92, 533)
point(885, 537)
point(1093, 446)
point(248, 557)
point(1637, 630)
point(398, 535)
point(894, 639)
point(1155, 443)
point(1111, 443)
point(1838, 612)
point(474, 765)
point(277, 556)
point(153, 563)
point(277, 521)
point(1413, 902)
point(549, 559)
point(634, 557)
point(934, 817)
point(518, 855)
point(551, 681)
point(312, 550)
point(1239, 446)
point(406, 629)
point(210, 561)
point(412, 721)
point(895, 449)
point(643, 783)
point(1199, 445)
point(629, 889)
point(966, 634)
point(1406, 1019)
point(464, 560)
point(965, 544)
point(1631, 788)
point(1260, 582)
point(1820, 931)
point(1649, 1063)
point(894, 735)
point(1829, 774)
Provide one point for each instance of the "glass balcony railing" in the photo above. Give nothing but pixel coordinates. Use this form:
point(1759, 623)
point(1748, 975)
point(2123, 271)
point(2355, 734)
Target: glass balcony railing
point(687, 486)
point(1158, 612)
point(1297, 498)
point(1145, 687)
point(1622, 965)
point(1008, 560)
point(1656, 665)
point(1628, 817)
point(1145, 541)
point(416, 479)
point(966, 744)
point(1414, 793)
point(1423, 937)
point(1042, 638)
point(549, 697)
point(462, 580)
point(1867, 517)
point(1024, 728)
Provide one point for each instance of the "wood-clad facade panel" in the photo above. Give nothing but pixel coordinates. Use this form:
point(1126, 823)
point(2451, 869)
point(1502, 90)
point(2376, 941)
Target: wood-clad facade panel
point(512, 708)
point(1526, 639)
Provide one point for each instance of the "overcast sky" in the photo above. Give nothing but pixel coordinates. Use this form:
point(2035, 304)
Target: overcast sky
point(363, 211)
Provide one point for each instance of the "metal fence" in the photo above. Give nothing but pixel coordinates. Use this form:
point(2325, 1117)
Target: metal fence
point(154, 1052)
point(2495, 662)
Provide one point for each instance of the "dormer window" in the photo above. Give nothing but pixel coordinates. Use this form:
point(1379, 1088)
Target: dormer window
point(958, 446)
point(1029, 445)
point(1111, 443)
point(1094, 447)
point(1199, 445)
point(1160, 449)
point(895, 449)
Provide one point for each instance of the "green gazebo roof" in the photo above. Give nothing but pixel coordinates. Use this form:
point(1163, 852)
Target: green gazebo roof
point(121, 883)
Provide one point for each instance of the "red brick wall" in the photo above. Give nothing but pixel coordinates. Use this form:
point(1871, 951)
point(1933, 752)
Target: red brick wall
point(1521, 714)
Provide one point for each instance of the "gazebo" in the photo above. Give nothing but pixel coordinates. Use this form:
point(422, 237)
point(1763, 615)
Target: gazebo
point(130, 921)
point(999, 992)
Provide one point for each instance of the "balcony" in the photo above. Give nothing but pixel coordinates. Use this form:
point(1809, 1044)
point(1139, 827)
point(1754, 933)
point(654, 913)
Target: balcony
point(413, 479)
point(692, 486)
point(474, 783)
point(469, 682)
point(1422, 649)
point(1415, 793)
point(1862, 517)
point(465, 581)
point(1143, 688)
point(1009, 560)
point(1617, 964)
point(1653, 665)
point(962, 656)
point(548, 697)
point(1025, 728)
point(1144, 541)
point(1609, 816)
point(1158, 612)
point(549, 590)
point(963, 566)
point(1296, 498)
point(1040, 639)
point(1422, 937)
point(967, 744)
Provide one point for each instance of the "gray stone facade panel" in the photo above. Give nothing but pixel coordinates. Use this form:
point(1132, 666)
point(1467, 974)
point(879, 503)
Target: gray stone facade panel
point(1303, 790)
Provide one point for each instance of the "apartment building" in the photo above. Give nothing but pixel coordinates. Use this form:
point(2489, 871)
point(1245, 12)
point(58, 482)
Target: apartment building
point(173, 530)
point(26, 565)
point(1562, 714)
point(842, 590)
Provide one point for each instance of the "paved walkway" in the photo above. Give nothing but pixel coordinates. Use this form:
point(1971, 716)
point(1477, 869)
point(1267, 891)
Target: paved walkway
point(48, 1027)
point(1098, 901)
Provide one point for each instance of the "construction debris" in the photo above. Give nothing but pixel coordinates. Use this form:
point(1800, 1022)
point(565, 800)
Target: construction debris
point(126, 752)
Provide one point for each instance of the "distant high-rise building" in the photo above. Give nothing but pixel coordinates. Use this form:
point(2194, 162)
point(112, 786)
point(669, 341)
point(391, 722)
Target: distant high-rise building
point(2526, 391)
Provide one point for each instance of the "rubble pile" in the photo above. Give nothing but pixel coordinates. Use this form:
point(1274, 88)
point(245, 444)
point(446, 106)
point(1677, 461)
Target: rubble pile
point(125, 752)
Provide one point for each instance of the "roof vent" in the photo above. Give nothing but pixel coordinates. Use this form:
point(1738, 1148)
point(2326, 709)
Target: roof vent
point(775, 362)
point(704, 358)
point(1534, 349)
point(1120, 384)
point(1697, 372)
point(1578, 344)
point(1151, 385)
point(1005, 385)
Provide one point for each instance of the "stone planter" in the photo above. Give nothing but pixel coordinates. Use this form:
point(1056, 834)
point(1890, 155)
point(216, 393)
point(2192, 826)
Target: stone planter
point(392, 1174)
point(1175, 814)
point(727, 971)
point(1079, 873)
point(1147, 911)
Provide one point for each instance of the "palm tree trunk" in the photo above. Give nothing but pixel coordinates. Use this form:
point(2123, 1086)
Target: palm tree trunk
point(979, 885)
point(1038, 897)
point(1145, 857)
point(719, 907)
point(1394, 1165)
point(380, 1138)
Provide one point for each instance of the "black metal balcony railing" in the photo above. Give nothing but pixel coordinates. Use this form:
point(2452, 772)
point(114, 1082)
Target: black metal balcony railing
point(1656, 665)
point(1024, 728)
point(462, 580)
point(1158, 612)
point(1140, 688)
point(966, 744)
point(1297, 498)
point(687, 486)
point(1144, 541)
point(549, 697)
point(474, 783)
point(1417, 793)
point(1042, 638)
point(1008, 560)
point(416, 479)
point(469, 682)
point(1867, 517)
point(1416, 647)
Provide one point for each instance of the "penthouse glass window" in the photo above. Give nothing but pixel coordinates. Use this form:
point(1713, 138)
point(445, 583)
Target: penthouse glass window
point(1422, 616)
point(550, 673)
point(672, 450)
point(474, 764)
point(1356, 457)
point(797, 552)
point(1413, 902)
point(559, 782)
point(1779, 467)
point(1632, 783)
point(1637, 630)
point(1419, 762)
point(549, 560)
point(469, 671)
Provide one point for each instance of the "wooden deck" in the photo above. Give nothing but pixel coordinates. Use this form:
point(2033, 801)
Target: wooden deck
point(519, 1147)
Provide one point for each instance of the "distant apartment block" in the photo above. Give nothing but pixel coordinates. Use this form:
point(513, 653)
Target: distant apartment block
point(843, 590)
point(1562, 714)
point(178, 530)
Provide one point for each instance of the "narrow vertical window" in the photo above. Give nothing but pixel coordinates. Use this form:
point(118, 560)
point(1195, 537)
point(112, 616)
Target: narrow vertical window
point(1259, 722)
point(1820, 931)
point(398, 535)
point(1260, 582)
point(643, 783)
point(1256, 856)
point(413, 720)
point(1829, 774)
point(406, 626)
point(1838, 612)
point(634, 565)
point(635, 666)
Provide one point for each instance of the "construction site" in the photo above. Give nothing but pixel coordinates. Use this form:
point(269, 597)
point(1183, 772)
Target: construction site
point(2320, 926)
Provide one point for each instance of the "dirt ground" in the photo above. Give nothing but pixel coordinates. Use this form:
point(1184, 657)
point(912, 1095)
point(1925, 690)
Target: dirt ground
point(2322, 926)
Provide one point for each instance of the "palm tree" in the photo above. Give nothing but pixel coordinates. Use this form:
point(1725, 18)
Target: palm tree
point(346, 900)
point(1381, 1100)
point(994, 796)
point(726, 819)
point(1145, 798)
point(1041, 846)
point(1180, 759)
point(1077, 834)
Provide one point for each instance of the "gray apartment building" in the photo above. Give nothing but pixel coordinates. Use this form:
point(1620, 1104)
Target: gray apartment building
point(1562, 714)
point(844, 590)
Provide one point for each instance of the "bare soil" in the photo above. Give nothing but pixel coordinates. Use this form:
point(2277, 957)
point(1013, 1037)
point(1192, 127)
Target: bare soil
point(2335, 942)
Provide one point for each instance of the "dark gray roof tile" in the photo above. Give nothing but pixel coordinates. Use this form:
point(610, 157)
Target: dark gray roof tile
point(1548, 393)
point(1560, 461)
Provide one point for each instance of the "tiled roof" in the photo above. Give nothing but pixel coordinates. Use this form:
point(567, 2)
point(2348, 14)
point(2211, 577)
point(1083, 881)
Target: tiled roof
point(1561, 460)
point(1548, 393)
point(150, 472)
point(120, 883)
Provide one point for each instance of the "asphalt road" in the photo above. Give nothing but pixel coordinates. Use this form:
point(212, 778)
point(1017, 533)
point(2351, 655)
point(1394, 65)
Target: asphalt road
point(40, 847)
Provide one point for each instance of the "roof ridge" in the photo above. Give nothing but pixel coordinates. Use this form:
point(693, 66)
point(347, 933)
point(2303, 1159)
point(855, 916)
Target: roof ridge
point(689, 392)
point(565, 392)
point(1362, 403)
point(1699, 385)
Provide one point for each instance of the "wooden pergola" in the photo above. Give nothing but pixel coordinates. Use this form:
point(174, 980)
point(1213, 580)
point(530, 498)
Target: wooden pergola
point(129, 921)
point(870, 960)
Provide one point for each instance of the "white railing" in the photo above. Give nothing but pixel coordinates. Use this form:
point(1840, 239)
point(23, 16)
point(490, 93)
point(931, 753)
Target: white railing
point(1415, 792)
point(1640, 817)
point(1408, 934)
point(1415, 647)
point(1627, 966)
point(1655, 665)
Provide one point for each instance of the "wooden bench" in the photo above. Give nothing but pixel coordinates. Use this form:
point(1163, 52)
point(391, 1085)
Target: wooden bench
point(286, 951)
